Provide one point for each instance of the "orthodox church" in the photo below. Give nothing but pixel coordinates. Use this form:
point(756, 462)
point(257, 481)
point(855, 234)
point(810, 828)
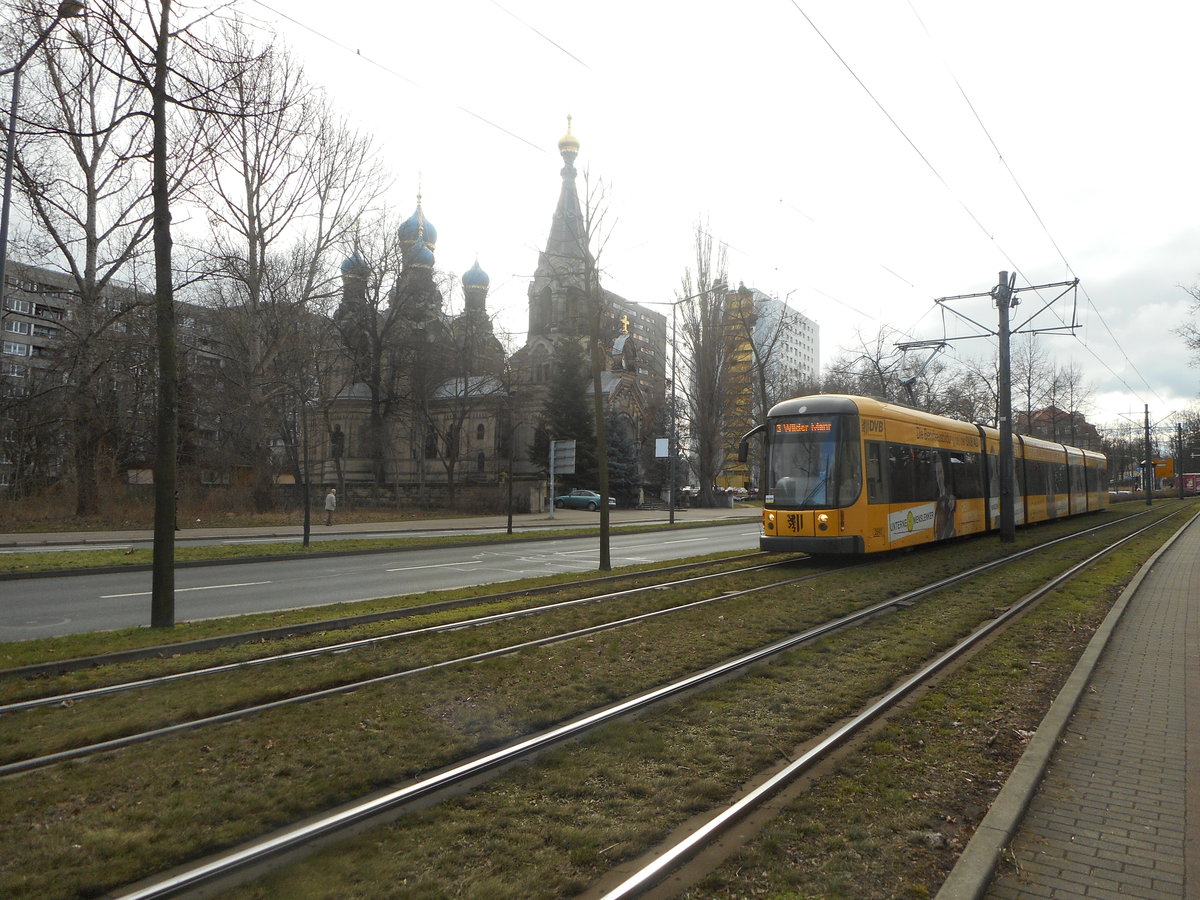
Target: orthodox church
point(426, 404)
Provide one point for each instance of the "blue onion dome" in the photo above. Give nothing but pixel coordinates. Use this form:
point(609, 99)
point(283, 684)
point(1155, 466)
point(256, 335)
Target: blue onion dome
point(355, 266)
point(419, 256)
point(568, 144)
point(418, 228)
point(475, 277)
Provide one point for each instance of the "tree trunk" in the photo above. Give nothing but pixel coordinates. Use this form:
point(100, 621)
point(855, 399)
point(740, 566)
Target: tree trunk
point(162, 604)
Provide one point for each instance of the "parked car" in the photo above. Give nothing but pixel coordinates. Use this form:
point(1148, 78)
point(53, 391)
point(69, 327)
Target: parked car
point(581, 499)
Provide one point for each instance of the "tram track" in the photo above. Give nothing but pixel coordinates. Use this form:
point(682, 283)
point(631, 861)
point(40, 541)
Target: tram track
point(679, 852)
point(69, 700)
point(112, 742)
point(342, 646)
point(300, 629)
point(388, 804)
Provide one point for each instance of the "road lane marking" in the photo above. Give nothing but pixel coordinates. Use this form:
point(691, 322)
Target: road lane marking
point(210, 587)
point(435, 566)
point(82, 547)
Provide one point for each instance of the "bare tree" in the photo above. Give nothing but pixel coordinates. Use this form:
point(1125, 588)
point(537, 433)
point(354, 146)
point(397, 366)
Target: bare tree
point(706, 353)
point(871, 368)
point(595, 236)
point(1190, 331)
point(469, 368)
point(289, 185)
point(381, 325)
point(973, 393)
point(160, 58)
point(1069, 395)
point(1032, 379)
point(81, 173)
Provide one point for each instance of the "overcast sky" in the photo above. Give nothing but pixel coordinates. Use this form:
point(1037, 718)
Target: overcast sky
point(860, 158)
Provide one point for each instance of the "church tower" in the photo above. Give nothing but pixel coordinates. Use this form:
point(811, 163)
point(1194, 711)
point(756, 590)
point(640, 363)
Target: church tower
point(556, 294)
point(415, 288)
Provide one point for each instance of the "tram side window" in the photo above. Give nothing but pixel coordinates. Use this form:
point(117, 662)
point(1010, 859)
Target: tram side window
point(1035, 480)
point(966, 475)
point(1058, 473)
point(1078, 476)
point(876, 486)
point(928, 462)
point(911, 473)
point(900, 465)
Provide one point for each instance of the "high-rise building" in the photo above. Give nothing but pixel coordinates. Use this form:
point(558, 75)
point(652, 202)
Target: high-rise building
point(772, 350)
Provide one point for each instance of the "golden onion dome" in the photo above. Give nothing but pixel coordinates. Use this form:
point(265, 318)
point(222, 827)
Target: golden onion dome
point(568, 143)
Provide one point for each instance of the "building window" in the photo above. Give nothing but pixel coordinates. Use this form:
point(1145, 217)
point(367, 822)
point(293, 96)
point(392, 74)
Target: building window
point(480, 431)
point(20, 306)
point(12, 348)
point(16, 326)
point(479, 461)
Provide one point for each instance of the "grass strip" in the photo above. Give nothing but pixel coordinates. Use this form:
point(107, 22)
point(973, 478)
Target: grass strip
point(68, 561)
point(66, 647)
point(557, 828)
point(894, 816)
point(92, 826)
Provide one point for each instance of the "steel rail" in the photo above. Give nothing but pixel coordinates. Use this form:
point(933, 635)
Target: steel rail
point(73, 697)
point(667, 859)
point(48, 759)
point(206, 873)
point(199, 645)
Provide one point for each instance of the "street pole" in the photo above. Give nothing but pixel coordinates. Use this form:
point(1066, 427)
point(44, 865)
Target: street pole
point(307, 478)
point(552, 443)
point(672, 444)
point(1004, 295)
point(673, 432)
point(1179, 458)
point(512, 438)
point(1149, 470)
point(1004, 302)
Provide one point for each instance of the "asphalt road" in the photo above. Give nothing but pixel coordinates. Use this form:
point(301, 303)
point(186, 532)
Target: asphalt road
point(43, 607)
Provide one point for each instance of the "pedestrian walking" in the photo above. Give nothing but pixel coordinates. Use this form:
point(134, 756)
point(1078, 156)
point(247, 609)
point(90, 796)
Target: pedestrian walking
point(330, 505)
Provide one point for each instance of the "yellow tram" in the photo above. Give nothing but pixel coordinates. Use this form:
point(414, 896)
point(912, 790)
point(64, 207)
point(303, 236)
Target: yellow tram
point(849, 474)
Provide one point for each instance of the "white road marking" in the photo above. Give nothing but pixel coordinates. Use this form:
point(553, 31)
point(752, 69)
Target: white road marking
point(435, 566)
point(81, 547)
point(209, 587)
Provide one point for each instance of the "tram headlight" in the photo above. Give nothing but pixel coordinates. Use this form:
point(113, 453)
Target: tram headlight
point(823, 522)
point(770, 518)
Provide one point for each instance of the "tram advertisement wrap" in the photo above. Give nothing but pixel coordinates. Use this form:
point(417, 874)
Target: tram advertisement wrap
point(911, 521)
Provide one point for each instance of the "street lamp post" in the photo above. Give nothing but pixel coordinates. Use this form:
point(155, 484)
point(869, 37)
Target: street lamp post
point(673, 438)
point(673, 442)
point(68, 9)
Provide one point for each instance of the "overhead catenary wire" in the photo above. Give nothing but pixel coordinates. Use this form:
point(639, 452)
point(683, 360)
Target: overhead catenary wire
point(390, 71)
point(543, 34)
point(908, 140)
point(1042, 223)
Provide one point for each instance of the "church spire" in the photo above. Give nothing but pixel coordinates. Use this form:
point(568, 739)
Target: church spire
point(557, 287)
point(567, 243)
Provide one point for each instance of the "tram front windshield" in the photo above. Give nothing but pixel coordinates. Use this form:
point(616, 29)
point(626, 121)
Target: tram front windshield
point(814, 461)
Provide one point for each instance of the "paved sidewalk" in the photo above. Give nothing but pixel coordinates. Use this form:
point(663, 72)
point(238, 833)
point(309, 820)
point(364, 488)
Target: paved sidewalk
point(1117, 814)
